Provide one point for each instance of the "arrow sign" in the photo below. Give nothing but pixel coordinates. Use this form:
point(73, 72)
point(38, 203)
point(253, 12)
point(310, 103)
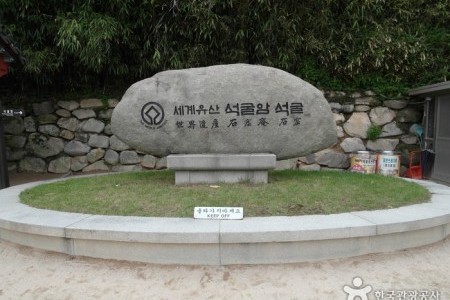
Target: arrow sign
point(13, 113)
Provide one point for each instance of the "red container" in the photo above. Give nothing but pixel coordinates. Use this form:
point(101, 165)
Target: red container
point(415, 166)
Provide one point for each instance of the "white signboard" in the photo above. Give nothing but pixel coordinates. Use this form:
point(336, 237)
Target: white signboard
point(12, 113)
point(219, 213)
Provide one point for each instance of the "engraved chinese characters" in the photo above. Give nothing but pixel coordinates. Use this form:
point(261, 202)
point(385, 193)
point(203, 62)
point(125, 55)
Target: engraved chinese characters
point(225, 109)
point(237, 109)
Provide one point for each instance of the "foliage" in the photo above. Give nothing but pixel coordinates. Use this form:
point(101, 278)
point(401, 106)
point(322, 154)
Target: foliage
point(374, 132)
point(289, 192)
point(331, 43)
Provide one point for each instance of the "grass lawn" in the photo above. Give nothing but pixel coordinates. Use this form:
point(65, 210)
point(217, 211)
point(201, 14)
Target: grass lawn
point(153, 193)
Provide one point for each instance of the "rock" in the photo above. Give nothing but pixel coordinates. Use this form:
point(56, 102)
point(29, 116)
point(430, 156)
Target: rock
point(33, 164)
point(105, 114)
point(286, 164)
point(348, 108)
point(60, 165)
point(43, 108)
point(67, 134)
point(98, 141)
point(29, 124)
point(382, 144)
point(340, 132)
point(362, 108)
point(409, 139)
point(391, 129)
point(352, 145)
point(112, 103)
point(367, 101)
point(225, 109)
point(68, 105)
point(92, 125)
point(332, 159)
point(78, 163)
point(15, 155)
point(381, 115)
point(107, 130)
point(357, 125)
point(335, 94)
point(82, 114)
point(91, 103)
point(129, 158)
point(13, 126)
point(112, 157)
point(47, 119)
point(335, 107)
point(95, 154)
point(116, 144)
point(395, 104)
point(68, 123)
point(338, 118)
point(129, 168)
point(76, 148)
point(161, 163)
point(369, 93)
point(313, 167)
point(82, 137)
point(309, 159)
point(409, 115)
point(98, 166)
point(15, 141)
point(49, 130)
point(63, 113)
point(43, 146)
point(356, 95)
point(149, 161)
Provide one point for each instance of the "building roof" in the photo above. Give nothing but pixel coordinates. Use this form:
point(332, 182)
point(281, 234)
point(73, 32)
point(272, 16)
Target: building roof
point(431, 90)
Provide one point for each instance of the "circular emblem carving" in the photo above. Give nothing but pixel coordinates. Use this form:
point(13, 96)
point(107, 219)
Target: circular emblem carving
point(152, 114)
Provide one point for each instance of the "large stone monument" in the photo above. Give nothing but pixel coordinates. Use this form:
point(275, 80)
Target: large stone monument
point(226, 122)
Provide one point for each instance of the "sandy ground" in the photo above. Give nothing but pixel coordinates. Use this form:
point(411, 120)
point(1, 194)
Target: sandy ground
point(34, 274)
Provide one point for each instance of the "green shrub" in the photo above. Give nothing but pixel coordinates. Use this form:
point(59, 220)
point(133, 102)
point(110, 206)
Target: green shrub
point(357, 44)
point(374, 132)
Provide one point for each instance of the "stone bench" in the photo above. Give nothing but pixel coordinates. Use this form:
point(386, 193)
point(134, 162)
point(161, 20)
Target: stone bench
point(219, 168)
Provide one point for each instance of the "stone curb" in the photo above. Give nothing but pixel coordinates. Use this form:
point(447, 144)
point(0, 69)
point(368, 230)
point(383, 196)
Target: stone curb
point(257, 240)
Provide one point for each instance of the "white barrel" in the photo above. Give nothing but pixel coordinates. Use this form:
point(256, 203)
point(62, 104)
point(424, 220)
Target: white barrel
point(388, 164)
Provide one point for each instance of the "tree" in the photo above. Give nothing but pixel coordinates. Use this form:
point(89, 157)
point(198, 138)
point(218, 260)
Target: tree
point(332, 43)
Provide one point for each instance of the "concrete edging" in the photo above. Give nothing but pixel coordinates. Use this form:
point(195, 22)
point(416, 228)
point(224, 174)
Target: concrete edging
point(258, 240)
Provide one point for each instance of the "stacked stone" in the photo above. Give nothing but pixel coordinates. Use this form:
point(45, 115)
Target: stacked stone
point(75, 136)
point(71, 136)
point(354, 114)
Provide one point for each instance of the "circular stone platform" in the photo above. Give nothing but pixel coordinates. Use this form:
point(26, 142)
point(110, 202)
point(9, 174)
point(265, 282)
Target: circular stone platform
point(256, 240)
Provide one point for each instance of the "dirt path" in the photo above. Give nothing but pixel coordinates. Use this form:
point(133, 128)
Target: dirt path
point(33, 274)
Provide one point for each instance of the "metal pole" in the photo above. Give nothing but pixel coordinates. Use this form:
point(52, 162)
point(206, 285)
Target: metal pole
point(4, 179)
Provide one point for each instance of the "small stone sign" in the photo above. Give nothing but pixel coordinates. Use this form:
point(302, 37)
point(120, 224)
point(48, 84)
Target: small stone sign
point(219, 213)
point(228, 109)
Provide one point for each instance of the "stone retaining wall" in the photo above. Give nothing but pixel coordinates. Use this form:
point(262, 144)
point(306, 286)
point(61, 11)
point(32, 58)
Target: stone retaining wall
point(75, 136)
